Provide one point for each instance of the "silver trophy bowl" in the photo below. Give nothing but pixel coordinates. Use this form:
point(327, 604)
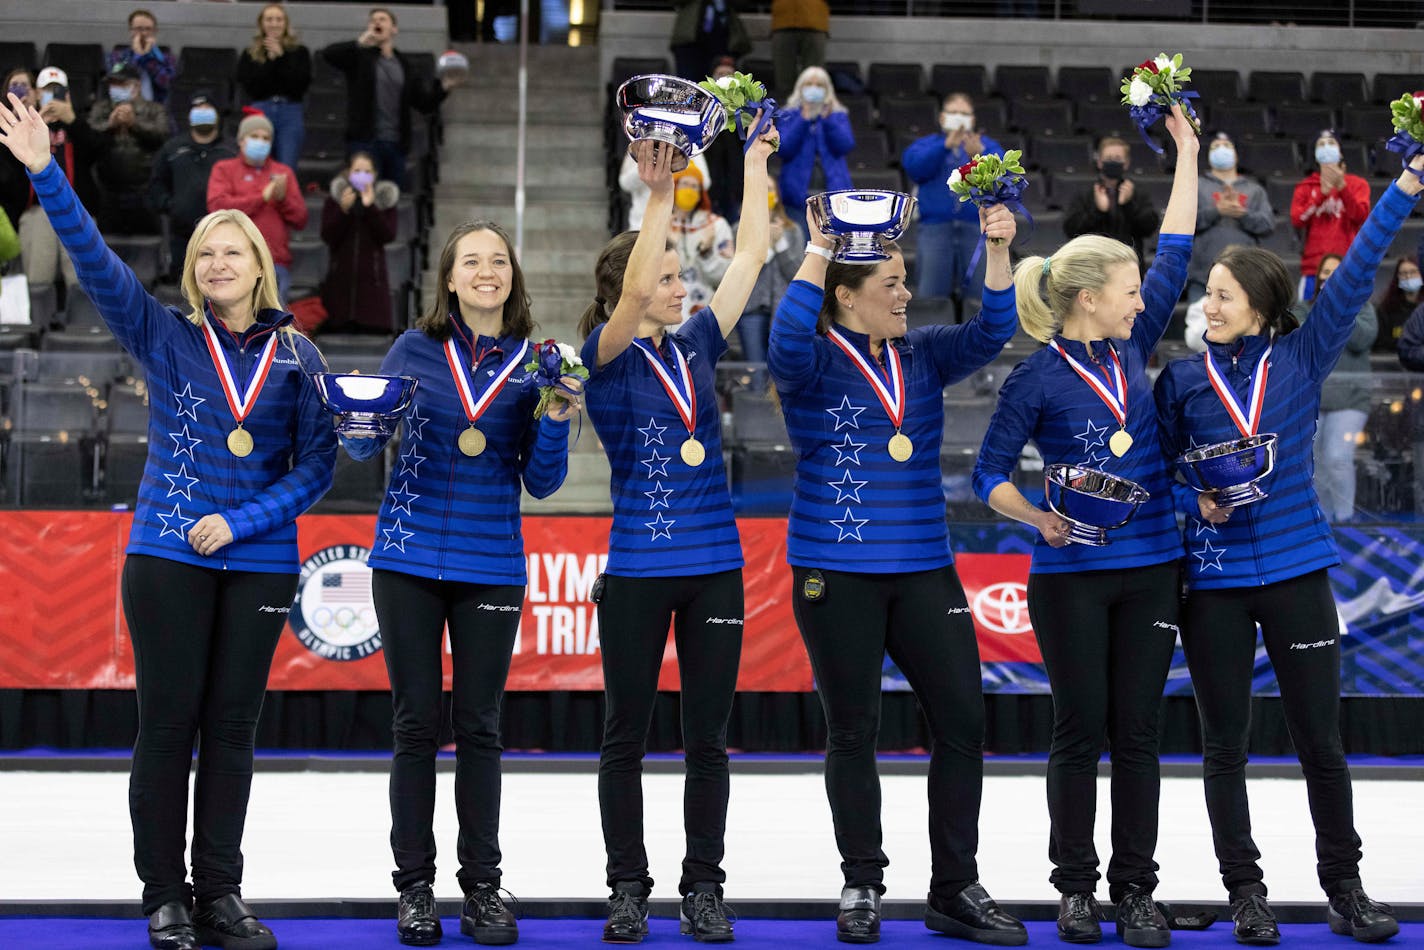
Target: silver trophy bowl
point(860, 221)
point(1092, 502)
point(670, 111)
point(1231, 469)
point(365, 405)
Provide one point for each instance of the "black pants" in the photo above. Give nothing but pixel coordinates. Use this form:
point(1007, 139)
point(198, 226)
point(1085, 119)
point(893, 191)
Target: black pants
point(1106, 639)
point(633, 617)
point(483, 621)
point(922, 621)
point(203, 641)
point(1301, 633)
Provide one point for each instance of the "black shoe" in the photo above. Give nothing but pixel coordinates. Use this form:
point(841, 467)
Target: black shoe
point(1078, 917)
point(1139, 922)
point(1352, 912)
point(627, 913)
point(704, 916)
point(859, 917)
point(171, 928)
point(229, 923)
point(973, 915)
point(1254, 922)
point(486, 918)
point(417, 921)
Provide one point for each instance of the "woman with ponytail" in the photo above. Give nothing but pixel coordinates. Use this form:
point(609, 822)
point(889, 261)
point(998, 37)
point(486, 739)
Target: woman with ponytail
point(673, 552)
point(1105, 617)
point(869, 552)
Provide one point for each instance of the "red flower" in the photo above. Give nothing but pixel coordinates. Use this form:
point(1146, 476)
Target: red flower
point(967, 167)
point(1149, 65)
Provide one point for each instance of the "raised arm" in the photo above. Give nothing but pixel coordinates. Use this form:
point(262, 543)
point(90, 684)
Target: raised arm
point(793, 330)
point(753, 236)
point(645, 262)
point(1181, 214)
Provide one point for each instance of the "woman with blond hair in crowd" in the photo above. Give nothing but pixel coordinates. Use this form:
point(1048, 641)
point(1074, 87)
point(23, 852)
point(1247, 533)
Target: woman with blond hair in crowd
point(816, 137)
point(275, 71)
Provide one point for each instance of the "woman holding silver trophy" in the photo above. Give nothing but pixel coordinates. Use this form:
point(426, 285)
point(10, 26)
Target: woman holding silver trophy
point(238, 447)
point(1104, 609)
point(448, 552)
point(674, 556)
point(1259, 548)
point(868, 544)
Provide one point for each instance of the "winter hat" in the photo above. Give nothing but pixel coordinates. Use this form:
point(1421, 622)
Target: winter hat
point(252, 120)
point(691, 171)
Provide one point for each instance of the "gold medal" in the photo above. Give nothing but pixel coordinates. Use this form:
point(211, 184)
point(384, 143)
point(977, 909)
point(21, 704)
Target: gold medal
point(693, 453)
point(239, 442)
point(901, 447)
point(1120, 443)
point(471, 441)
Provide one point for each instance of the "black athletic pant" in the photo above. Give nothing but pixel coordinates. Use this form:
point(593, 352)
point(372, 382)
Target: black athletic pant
point(1301, 632)
point(203, 641)
point(1107, 639)
point(922, 621)
point(484, 620)
point(633, 617)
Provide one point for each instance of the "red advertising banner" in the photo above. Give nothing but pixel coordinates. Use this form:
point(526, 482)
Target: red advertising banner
point(62, 627)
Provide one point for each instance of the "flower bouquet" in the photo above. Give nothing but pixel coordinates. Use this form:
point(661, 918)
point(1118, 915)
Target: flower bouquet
point(1152, 88)
point(741, 96)
point(1408, 139)
point(550, 362)
point(989, 179)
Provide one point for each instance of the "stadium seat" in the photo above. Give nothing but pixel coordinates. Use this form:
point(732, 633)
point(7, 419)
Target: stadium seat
point(1273, 88)
point(1388, 87)
point(910, 118)
point(207, 64)
point(1016, 83)
point(14, 54)
point(871, 151)
point(1339, 89)
point(1240, 120)
point(1039, 118)
point(80, 312)
point(972, 79)
point(309, 259)
point(1303, 123)
point(1060, 154)
point(892, 80)
point(755, 420)
point(1100, 118)
point(1216, 85)
point(1269, 158)
point(1081, 84)
point(929, 311)
point(140, 252)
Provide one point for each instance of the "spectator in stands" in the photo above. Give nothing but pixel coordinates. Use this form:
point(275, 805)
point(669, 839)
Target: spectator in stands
point(1400, 299)
point(1344, 406)
point(702, 239)
point(815, 139)
point(154, 68)
point(724, 160)
point(382, 88)
point(264, 189)
point(131, 131)
point(637, 190)
point(74, 146)
point(702, 29)
point(1112, 205)
point(787, 251)
point(179, 187)
point(9, 241)
point(1231, 209)
point(799, 29)
point(275, 71)
point(949, 228)
point(1329, 206)
point(1411, 357)
point(358, 220)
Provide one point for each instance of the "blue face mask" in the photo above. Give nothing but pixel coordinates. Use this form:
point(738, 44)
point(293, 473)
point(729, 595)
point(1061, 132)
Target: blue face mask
point(256, 150)
point(1327, 154)
point(1411, 285)
point(202, 115)
point(814, 94)
point(120, 94)
point(46, 98)
point(1222, 158)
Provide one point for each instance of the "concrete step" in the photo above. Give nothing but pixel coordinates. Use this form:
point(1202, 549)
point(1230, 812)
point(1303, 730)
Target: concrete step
point(488, 59)
point(536, 174)
point(501, 193)
point(557, 216)
point(540, 138)
point(585, 489)
point(578, 107)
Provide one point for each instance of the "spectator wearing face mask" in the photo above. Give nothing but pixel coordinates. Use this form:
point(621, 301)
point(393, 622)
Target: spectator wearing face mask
point(949, 228)
point(815, 139)
point(702, 239)
point(155, 70)
point(1232, 208)
point(1111, 206)
point(179, 187)
point(264, 189)
point(358, 220)
point(131, 131)
point(1400, 299)
point(1328, 206)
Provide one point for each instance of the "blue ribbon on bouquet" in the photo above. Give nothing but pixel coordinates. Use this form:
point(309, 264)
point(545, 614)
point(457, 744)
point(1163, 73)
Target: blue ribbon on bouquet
point(1408, 147)
point(550, 375)
point(745, 116)
point(1158, 107)
point(1008, 193)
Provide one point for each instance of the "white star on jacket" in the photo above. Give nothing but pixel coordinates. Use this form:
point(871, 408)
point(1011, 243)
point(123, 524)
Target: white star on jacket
point(396, 537)
point(1209, 556)
point(662, 527)
point(183, 443)
point(847, 487)
point(185, 398)
point(402, 497)
point(853, 413)
point(849, 525)
point(1092, 436)
point(848, 449)
point(415, 423)
point(657, 465)
point(410, 462)
point(658, 496)
point(652, 433)
point(176, 515)
point(187, 482)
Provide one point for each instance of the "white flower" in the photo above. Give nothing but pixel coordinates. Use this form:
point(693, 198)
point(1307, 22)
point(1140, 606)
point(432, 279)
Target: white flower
point(569, 355)
point(955, 178)
point(1163, 62)
point(725, 82)
point(1419, 103)
point(1138, 92)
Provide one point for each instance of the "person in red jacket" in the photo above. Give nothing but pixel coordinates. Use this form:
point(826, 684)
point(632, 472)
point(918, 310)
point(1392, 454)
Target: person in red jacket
point(1328, 208)
point(264, 189)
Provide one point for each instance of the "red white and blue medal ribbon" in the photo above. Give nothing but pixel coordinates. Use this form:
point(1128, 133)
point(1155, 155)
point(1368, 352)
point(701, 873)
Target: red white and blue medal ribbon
point(239, 404)
point(1115, 399)
point(472, 441)
point(892, 396)
point(682, 393)
point(1247, 419)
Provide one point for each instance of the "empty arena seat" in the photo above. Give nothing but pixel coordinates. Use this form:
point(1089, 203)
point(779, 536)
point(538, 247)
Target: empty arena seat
point(1042, 117)
point(888, 80)
point(1339, 89)
point(1216, 85)
point(1022, 82)
point(1089, 84)
point(1273, 87)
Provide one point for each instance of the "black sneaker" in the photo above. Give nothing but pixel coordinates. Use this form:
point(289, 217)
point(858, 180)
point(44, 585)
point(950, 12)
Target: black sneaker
point(417, 921)
point(704, 916)
point(171, 928)
point(1139, 922)
point(859, 918)
point(973, 915)
point(1352, 912)
point(486, 918)
point(229, 923)
point(627, 913)
point(1254, 923)
point(1078, 918)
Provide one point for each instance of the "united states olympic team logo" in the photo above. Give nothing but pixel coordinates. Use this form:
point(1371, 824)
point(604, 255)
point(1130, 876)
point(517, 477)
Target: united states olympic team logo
point(332, 615)
point(1003, 607)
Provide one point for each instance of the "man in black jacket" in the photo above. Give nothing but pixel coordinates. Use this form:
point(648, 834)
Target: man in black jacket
point(179, 187)
point(1112, 205)
point(383, 86)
